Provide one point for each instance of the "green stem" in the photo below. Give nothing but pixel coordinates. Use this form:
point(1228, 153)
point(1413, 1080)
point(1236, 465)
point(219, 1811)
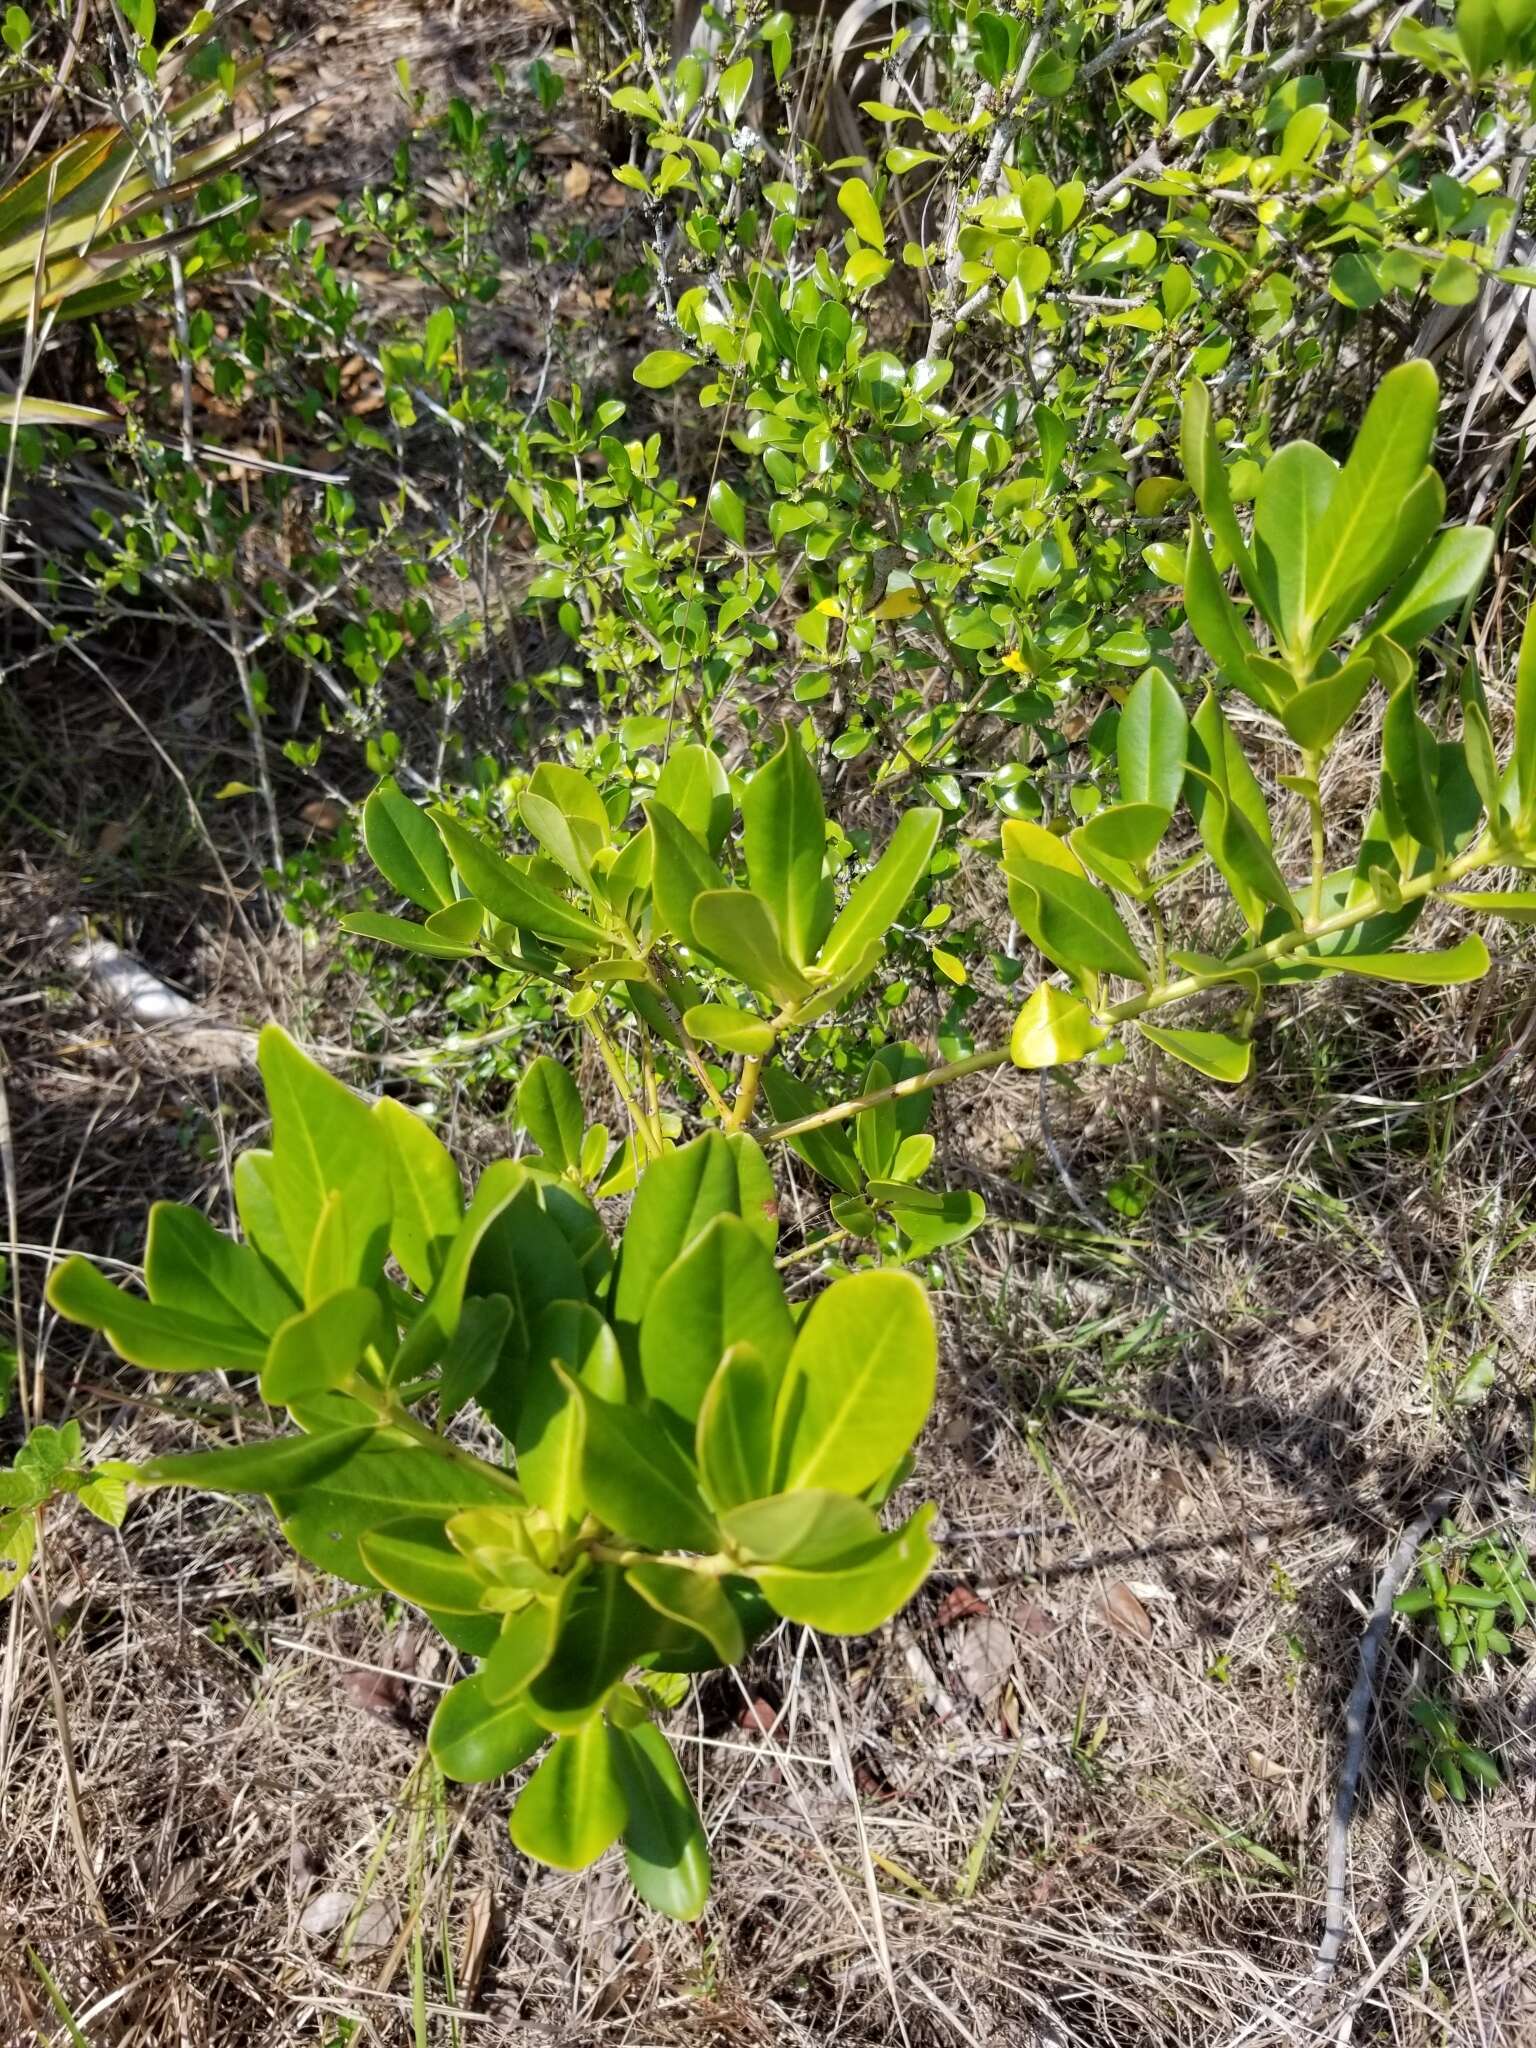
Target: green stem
point(746, 1092)
point(1313, 765)
point(717, 1566)
point(391, 1413)
point(649, 1137)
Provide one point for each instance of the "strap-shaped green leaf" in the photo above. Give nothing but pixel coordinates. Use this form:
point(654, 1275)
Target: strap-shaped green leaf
point(607, 1628)
point(1521, 779)
point(730, 1029)
point(1355, 537)
point(256, 1206)
point(401, 931)
point(429, 1336)
point(473, 1741)
point(1230, 811)
point(678, 1195)
point(1200, 452)
point(839, 1571)
point(573, 1807)
point(694, 1600)
point(1410, 762)
point(1117, 842)
point(1215, 1054)
point(734, 1435)
point(526, 1644)
point(1214, 619)
point(1515, 906)
point(784, 838)
point(1317, 714)
point(324, 1139)
point(664, 1843)
point(324, 1517)
point(878, 898)
point(190, 1266)
point(681, 872)
point(525, 1254)
point(269, 1467)
point(858, 1385)
point(551, 1424)
point(828, 1151)
point(1294, 494)
point(426, 1196)
point(510, 893)
point(1439, 586)
point(723, 1289)
point(1074, 923)
point(570, 847)
point(406, 849)
point(473, 1351)
point(1466, 961)
point(161, 1339)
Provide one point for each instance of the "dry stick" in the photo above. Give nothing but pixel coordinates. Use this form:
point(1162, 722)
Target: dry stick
point(1357, 1718)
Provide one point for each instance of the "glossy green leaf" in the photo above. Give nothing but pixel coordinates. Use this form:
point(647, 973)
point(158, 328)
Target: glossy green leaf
point(1200, 452)
point(551, 1423)
point(1074, 923)
point(664, 1844)
point(256, 1205)
point(728, 512)
point(324, 1139)
point(694, 1600)
point(1356, 533)
point(473, 1741)
point(662, 367)
point(549, 1109)
point(859, 1383)
point(525, 1254)
point(473, 1352)
point(1410, 761)
point(406, 849)
point(1293, 497)
point(1515, 906)
point(1466, 961)
point(731, 1030)
point(1317, 714)
point(322, 1346)
point(678, 1195)
point(268, 1467)
point(878, 898)
point(511, 894)
point(827, 1151)
point(832, 1566)
point(525, 1645)
point(401, 931)
point(735, 83)
point(161, 1339)
point(681, 871)
point(573, 1806)
point(1116, 843)
point(426, 1197)
point(734, 1435)
point(1212, 1053)
point(385, 1478)
point(606, 1629)
point(695, 788)
point(738, 928)
point(568, 842)
point(1230, 811)
point(193, 1268)
point(1439, 587)
point(784, 837)
point(857, 203)
point(722, 1290)
point(1151, 742)
point(1214, 619)
point(413, 1557)
point(1522, 768)
point(1053, 1029)
point(638, 1482)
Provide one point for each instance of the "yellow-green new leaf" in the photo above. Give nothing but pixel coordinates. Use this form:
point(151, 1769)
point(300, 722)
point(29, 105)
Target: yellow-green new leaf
point(696, 1600)
point(1212, 1053)
point(729, 1029)
point(879, 898)
point(1467, 961)
point(426, 1197)
point(1053, 1029)
point(406, 848)
point(855, 199)
point(859, 1383)
point(322, 1347)
point(828, 1563)
point(573, 1806)
point(784, 838)
point(661, 368)
point(734, 1436)
point(160, 1339)
point(413, 1557)
point(739, 929)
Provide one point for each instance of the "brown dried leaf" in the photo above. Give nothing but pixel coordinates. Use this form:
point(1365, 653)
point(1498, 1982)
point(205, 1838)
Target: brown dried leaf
point(477, 1940)
point(577, 182)
point(324, 813)
point(377, 1692)
point(759, 1718)
point(1125, 1613)
point(983, 1655)
point(958, 1604)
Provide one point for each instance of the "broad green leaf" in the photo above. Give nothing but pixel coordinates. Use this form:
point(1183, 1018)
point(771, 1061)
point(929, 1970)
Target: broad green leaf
point(833, 1568)
point(678, 1195)
point(784, 838)
point(737, 928)
point(510, 893)
point(161, 1339)
point(734, 1437)
point(1200, 452)
point(681, 871)
point(526, 1255)
point(1466, 961)
point(413, 1557)
point(549, 1109)
point(722, 1290)
point(1294, 493)
point(859, 1383)
point(1212, 1053)
point(694, 1600)
point(1407, 548)
point(828, 1151)
point(730, 1029)
point(573, 1807)
point(569, 843)
point(931, 1218)
point(1214, 619)
point(414, 938)
point(256, 1205)
point(857, 202)
point(1409, 760)
point(1072, 922)
point(728, 512)
point(1443, 583)
point(1230, 811)
point(1317, 714)
point(878, 899)
point(664, 1844)
point(324, 1139)
point(607, 1628)
point(876, 1134)
point(1116, 843)
point(429, 1336)
point(406, 849)
point(322, 1346)
point(269, 1467)
point(473, 1352)
point(638, 1481)
point(426, 1197)
point(473, 1741)
point(1385, 464)
point(1053, 1029)
point(695, 788)
point(191, 1267)
point(734, 85)
point(1151, 743)
point(325, 1516)
point(525, 1645)
point(661, 368)
point(551, 1425)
